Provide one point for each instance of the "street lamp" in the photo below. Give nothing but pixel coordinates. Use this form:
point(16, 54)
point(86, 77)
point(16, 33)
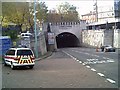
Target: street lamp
point(36, 46)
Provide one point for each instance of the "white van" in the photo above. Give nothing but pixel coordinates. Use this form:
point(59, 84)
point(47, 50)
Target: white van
point(19, 57)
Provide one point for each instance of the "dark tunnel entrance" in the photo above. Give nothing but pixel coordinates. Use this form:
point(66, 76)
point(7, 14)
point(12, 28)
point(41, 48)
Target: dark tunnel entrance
point(67, 40)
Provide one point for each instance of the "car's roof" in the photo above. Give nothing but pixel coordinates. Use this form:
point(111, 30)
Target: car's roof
point(20, 49)
point(26, 33)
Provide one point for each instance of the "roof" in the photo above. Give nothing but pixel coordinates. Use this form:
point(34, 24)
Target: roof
point(20, 48)
point(4, 37)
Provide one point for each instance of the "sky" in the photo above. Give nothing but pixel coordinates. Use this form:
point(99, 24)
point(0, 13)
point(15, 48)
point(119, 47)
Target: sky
point(83, 6)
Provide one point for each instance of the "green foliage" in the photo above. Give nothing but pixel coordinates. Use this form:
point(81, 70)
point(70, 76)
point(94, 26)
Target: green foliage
point(63, 8)
point(42, 11)
point(11, 33)
point(21, 13)
point(16, 12)
point(68, 12)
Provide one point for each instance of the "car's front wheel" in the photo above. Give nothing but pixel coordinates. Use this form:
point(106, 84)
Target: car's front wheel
point(12, 66)
point(105, 50)
point(114, 50)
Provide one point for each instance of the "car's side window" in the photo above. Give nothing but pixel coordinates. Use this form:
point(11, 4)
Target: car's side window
point(10, 52)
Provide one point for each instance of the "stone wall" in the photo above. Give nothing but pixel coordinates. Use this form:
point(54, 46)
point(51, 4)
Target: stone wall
point(41, 44)
point(117, 38)
point(94, 38)
point(108, 37)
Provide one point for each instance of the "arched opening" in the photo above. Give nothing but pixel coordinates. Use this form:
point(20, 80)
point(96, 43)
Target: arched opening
point(67, 40)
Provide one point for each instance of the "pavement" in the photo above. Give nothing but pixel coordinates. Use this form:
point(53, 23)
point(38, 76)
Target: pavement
point(44, 56)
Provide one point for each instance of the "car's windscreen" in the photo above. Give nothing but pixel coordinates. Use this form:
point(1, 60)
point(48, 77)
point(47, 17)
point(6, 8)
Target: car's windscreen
point(24, 52)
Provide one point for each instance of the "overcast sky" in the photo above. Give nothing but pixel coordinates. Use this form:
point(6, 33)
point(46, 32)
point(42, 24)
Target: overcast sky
point(83, 6)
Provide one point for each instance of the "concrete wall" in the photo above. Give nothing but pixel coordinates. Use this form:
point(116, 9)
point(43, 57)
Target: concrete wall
point(108, 37)
point(41, 44)
point(117, 38)
point(93, 38)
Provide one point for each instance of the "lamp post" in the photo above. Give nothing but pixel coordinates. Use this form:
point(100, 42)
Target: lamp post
point(96, 10)
point(36, 46)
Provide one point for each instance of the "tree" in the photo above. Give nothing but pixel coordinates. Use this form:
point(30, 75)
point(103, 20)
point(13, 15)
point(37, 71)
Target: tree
point(42, 11)
point(16, 12)
point(68, 12)
point(53, 17)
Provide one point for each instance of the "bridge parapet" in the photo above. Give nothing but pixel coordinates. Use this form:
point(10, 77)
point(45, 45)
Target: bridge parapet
point(65, 23)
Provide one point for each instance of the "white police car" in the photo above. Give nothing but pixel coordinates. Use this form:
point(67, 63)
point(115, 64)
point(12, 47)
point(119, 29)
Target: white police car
point(19, 57)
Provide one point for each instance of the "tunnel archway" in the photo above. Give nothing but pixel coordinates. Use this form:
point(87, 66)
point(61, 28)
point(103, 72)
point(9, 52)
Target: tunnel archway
point(67, 40)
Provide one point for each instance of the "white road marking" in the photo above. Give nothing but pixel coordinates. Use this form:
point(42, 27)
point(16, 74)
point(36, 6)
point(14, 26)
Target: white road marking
point(110, 80)
point(83, 63)
point(110, 60)
point(94, 61)
point(88, 66)
point(80, 62)
point(87, 53)
point(104, 58)
point(74, 58)
point(100, 74)
point(93, 69)
point(96, 55)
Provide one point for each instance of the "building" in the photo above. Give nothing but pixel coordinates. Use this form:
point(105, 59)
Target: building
point(89, 17)
point(105, 13)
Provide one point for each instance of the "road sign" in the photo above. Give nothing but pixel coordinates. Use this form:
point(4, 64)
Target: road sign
point(51, 39)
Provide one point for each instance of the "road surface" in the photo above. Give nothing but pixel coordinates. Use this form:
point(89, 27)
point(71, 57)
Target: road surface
point(61, 70)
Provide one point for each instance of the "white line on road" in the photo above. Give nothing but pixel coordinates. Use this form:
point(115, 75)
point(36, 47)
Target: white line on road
point(80, 62)
point(87, 53)
point(100, 74)
point(93, 69)
point(83, 64)
point(110, 80)
point(75, 58)
point(104, 58)
point(88, 66)
point(110, 60)
point(95, 55)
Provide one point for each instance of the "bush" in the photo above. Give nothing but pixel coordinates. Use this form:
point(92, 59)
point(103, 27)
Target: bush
point(11, 33)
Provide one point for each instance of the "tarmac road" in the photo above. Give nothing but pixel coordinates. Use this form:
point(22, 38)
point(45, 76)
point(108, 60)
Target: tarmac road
point(56, 71)
point(105, 64)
